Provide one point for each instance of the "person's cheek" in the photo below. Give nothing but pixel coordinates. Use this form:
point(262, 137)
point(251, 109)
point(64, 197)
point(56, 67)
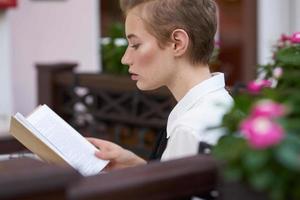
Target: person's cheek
point(147, 56)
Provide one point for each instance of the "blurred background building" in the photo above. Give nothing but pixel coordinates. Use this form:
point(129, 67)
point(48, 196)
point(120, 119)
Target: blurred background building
point(51, 31)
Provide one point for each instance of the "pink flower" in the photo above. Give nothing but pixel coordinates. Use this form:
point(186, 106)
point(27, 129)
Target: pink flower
point(257, 85)
point(261, 132)
point(277, 72)
point(268, 108)
point(295, 38)
point(284, 38)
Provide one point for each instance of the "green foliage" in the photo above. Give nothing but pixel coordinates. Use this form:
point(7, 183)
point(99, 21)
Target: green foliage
point(289, 56)
point(276, 169)
point(112, 52)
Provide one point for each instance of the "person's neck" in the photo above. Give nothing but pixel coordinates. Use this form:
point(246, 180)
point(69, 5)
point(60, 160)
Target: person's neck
point(186, 78)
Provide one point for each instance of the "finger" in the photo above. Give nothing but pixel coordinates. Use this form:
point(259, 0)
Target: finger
point(106, 155)
point(102, 144)
point(91, 139)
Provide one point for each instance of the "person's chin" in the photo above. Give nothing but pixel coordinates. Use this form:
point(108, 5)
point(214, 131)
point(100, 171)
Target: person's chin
point(145, 87)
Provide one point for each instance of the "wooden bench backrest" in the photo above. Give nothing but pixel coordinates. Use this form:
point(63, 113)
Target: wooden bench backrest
point(157, 180)
point(27, 178)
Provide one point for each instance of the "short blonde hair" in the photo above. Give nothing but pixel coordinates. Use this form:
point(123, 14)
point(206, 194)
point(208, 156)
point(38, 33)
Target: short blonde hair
point(196, 17)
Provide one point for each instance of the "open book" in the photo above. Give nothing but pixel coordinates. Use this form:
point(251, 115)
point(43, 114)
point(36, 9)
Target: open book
point(46, 134)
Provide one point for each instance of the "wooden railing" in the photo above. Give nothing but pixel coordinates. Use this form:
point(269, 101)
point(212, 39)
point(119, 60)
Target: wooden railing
point(177, 179)
point(28, 179)
point(24, 179)
point(105, 106)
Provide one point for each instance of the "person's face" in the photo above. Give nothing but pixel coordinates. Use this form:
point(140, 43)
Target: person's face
point(149, 65)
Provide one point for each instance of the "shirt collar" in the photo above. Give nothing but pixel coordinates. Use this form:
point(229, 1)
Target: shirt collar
point(215, 82)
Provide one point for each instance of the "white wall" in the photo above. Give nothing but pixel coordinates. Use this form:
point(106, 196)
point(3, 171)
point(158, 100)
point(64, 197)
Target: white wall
point(295, 15)
point(5, 81)
point(275, 17)
point(47, 32)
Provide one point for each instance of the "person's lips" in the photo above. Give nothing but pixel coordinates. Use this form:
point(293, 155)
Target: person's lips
point(134, 76)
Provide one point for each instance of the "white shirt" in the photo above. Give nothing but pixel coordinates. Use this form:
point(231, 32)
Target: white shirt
point(201, 108)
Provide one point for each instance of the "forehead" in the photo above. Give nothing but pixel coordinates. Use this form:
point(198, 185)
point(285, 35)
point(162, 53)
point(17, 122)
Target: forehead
point(134, 25)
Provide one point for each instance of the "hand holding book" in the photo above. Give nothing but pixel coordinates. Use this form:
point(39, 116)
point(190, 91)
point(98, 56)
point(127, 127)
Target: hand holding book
point(119, 157)
point(55, 141)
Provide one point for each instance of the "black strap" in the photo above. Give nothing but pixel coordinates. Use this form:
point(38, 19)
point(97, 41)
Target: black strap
point(160, 145)
point(204, 148)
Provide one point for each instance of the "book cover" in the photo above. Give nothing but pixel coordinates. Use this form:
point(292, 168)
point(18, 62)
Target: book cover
point(46, 134)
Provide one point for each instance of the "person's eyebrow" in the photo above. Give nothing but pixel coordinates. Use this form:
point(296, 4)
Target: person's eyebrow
point(131, 36)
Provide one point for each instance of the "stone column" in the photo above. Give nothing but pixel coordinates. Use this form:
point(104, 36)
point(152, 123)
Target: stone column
point(5, 74)
point(275, 17)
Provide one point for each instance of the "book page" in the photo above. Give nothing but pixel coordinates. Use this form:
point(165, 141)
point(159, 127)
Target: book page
point(76, 150)
point(33, 130)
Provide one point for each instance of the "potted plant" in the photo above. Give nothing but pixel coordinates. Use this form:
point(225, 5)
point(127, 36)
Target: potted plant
point(261, 146)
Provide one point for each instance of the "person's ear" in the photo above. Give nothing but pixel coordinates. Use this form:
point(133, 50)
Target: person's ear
point(180, 42)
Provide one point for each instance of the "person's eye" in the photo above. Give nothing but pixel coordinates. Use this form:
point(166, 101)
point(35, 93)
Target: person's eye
point(135, 46)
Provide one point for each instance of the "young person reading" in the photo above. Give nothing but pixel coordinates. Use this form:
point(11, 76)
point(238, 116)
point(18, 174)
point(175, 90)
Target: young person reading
point(170, 44)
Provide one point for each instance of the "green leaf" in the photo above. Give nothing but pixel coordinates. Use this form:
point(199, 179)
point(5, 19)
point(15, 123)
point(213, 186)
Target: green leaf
point(289, 56)
point(261, 180)
point(296, 190)
point(232, 174)
point(116, 30)
point(229, 148)
point(278, 190)
point(288, 152)
point(255, 160)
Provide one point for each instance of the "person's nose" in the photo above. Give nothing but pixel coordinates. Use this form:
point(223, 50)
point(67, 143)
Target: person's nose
point(126, 59)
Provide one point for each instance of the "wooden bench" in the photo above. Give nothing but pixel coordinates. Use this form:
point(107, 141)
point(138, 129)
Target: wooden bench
point(29, 179)
point(174, 179)
point(24, 179)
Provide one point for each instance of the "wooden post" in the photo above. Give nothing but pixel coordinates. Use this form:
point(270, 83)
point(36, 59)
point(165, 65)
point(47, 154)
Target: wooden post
point(46, 86)
point(249, 35)
point(238, 37)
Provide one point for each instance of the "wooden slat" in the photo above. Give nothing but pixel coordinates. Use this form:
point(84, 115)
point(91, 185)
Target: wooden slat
point(166, 180)
point(32, 179)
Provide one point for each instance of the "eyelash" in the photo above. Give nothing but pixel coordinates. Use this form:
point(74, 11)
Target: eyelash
point(135, 46)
